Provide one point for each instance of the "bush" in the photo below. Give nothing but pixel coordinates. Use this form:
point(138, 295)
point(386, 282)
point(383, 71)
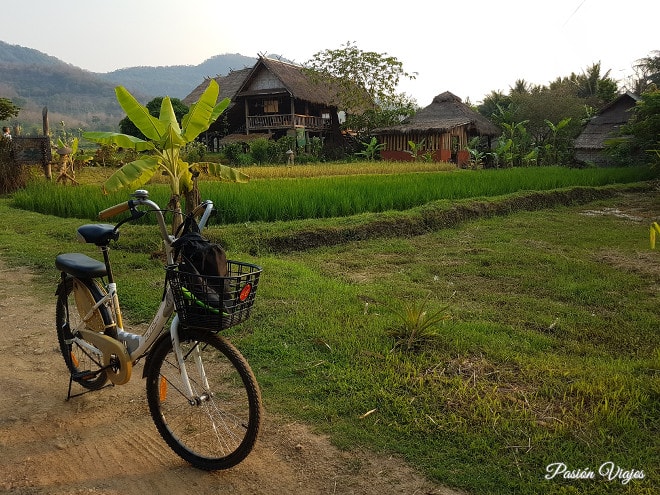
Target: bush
point(261, 151)
point(194, 152)
point(232, 152)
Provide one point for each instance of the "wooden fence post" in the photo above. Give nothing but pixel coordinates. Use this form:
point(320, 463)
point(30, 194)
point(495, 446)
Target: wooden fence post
point(46, 163)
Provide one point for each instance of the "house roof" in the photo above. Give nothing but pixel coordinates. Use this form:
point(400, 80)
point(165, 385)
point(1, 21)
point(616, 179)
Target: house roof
point(293, 78)
point(294, 81)
point(446, 112)
point(608, 120)
point(229, 85)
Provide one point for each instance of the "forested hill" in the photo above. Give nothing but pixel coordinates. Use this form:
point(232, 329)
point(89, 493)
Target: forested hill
point(80, 98)
point(176, 81)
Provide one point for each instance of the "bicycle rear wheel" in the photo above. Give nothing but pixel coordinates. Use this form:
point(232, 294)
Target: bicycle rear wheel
point(219, 426)
point(83, 360)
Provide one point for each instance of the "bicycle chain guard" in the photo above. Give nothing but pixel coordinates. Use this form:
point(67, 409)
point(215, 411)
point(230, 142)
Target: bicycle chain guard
point(111, 348)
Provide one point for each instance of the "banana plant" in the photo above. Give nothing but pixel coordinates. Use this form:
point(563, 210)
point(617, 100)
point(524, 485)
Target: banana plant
point(161, 151)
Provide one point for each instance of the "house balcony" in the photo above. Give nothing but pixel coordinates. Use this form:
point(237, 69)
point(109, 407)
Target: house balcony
point(287, 121)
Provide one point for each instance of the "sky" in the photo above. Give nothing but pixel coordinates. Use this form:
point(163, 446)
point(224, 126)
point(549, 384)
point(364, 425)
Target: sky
point(469, 48)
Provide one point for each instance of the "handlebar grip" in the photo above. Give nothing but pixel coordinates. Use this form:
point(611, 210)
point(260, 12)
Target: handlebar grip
point(114, 210)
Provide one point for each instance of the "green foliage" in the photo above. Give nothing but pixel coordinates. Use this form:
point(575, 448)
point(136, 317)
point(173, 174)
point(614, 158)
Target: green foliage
point(338, 196)
point(194, 152)
point(417, 150)
point(647, 74)
point(8, 109)
point(400, 108)
point(262, 152)
point(364, 82)
point(371, 149)
point(110, 155)
point(417, 325)
point(164, 142)
point(126, 125)
point(639, 139)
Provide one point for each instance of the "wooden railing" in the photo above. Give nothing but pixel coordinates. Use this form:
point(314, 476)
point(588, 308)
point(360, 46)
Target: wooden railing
point(287, 121)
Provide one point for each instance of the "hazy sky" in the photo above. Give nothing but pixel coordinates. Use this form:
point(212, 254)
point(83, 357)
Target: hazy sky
point(468, 47)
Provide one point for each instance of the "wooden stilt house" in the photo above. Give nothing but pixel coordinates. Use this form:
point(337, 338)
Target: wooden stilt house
point(273, 99)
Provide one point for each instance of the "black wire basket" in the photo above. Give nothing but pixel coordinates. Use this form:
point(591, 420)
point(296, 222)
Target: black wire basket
point(214, 303)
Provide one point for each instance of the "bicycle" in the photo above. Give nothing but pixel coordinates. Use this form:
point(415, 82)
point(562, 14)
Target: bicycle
point(202, 395)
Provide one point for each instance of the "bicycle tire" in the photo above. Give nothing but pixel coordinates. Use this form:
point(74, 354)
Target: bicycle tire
point(220, 428)
point(78, 359)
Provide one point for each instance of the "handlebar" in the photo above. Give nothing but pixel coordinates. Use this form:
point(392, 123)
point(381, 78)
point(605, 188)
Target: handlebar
point(142, 198)
point(116, 210)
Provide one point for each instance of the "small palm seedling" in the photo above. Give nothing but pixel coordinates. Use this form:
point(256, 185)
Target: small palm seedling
point(416, 325)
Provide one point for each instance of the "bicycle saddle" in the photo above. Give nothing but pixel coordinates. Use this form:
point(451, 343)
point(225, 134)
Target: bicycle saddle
point(80, 265)
point(98, 233)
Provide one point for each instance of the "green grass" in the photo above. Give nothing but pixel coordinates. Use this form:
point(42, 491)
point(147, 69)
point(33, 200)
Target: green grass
point(289, 199)
point(552, 352)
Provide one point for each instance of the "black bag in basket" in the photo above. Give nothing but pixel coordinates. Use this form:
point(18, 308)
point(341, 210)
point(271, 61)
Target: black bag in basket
point(201, 259)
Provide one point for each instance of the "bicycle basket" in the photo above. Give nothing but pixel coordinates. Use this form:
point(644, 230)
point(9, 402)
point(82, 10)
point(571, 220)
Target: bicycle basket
point(214, 303)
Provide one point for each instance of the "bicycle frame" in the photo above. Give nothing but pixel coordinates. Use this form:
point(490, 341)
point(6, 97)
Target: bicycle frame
point(165, 310)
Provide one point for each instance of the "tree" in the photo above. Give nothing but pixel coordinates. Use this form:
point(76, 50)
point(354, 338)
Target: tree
point(363, 81)
point(126, 126)
point(7, 109)
point(647, 73)
point(161, 150)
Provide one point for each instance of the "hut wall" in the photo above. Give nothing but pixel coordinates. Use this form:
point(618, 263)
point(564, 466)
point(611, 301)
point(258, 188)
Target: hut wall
point(397, 147)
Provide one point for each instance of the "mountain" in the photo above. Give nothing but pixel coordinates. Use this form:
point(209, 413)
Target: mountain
point(84, 99)
point(176, 81)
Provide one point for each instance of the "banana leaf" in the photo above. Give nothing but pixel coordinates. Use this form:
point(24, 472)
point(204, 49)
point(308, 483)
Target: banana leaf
point(167, 116)
point(198, 118)
point(132, 175)
point(121, 140)
point(225, 172)
point(150, 126)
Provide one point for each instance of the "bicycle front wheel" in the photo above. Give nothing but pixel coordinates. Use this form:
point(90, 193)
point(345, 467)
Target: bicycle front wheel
point(218, 426)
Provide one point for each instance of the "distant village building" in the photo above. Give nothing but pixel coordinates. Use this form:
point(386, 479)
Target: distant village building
point(444, 128)
point(272, 99)
point(590, 144)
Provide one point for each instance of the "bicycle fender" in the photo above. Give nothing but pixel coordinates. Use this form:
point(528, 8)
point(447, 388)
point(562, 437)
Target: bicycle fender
point(147, 360)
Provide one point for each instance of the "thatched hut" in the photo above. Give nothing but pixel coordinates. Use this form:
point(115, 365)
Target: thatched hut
point(443, 129)
point(590, 144)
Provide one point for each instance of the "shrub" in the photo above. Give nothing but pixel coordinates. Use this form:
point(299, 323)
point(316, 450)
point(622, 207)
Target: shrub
point(260, 150)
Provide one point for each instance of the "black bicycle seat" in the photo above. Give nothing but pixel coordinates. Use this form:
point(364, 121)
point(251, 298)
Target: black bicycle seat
point(80, 265)
point(98, 233)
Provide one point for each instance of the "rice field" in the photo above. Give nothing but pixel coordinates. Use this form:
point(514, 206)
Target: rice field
point(329, 196)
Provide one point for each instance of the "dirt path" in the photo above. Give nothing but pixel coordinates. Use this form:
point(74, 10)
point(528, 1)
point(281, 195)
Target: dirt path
point(106, 443)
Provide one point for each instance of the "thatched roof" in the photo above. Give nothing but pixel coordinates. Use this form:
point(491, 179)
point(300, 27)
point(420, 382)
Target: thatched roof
point(446, 112)
point(229, 85)
point(294, 81)
point(606, 122)
point(293, 78)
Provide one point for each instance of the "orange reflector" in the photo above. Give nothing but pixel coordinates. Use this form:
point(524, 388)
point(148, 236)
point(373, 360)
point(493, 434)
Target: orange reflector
point(245, 292)
point(74, 360)
point(162, 389)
